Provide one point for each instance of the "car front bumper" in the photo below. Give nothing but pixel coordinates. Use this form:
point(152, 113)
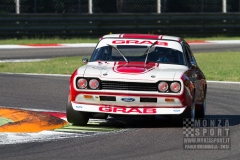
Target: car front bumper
point(129, 105)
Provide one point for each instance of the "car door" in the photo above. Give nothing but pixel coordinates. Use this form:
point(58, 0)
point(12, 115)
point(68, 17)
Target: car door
point(196, 76)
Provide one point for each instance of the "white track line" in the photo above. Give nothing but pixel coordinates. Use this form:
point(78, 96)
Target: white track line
point(224, 82)
point(22, 60)
point(36, 74)
point(225, 41)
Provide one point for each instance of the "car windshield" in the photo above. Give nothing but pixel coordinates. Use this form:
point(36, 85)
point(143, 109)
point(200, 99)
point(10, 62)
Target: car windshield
point(138, 53)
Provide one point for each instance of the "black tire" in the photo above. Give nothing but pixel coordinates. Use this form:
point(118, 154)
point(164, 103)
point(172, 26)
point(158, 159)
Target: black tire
point(76, 117)
point(115, 115)
point(188, 113)
point(177, 120)
point(99, 115)
point(202, 112)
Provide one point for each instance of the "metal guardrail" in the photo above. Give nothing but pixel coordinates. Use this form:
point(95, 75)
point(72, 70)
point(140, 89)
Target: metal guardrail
point(96, 25)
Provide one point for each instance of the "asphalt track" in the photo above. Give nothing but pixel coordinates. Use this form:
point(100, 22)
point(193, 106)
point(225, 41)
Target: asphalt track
point(145, 139)
point(83, 51)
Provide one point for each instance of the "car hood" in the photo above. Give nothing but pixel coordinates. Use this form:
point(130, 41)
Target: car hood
point(132, 71)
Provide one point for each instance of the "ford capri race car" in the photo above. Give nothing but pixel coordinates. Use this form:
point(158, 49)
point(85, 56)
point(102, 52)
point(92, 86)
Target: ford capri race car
point(138, 74)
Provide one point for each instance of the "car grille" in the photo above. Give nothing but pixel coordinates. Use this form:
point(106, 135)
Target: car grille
point(132, 86)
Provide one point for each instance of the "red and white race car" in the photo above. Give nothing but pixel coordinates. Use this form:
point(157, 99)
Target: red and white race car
point(137, 74)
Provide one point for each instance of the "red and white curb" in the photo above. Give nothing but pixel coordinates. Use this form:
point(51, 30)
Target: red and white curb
point(45, 135)
point(16, 138)
point(78, 45)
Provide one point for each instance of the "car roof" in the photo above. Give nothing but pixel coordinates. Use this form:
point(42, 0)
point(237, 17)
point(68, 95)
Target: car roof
point(142, 36)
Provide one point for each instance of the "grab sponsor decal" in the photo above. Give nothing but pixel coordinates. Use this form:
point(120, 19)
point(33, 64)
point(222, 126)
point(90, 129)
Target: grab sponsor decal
point(139, 42)
point(130, 110)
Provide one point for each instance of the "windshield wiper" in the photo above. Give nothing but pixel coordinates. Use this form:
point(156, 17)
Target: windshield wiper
point(118, 52)
point(147, 51)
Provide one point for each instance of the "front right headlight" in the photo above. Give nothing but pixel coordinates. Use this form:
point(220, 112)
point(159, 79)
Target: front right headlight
point(82, 83)
point(163, 86)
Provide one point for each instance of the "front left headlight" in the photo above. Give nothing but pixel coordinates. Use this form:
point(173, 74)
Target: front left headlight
point(93, 84)
point(175, 87)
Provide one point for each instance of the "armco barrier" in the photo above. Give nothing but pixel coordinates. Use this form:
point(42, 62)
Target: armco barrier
point(96, 25)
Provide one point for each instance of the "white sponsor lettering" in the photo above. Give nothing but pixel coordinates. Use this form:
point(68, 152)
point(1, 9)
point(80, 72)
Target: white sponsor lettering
point(127, 110)
point(138, 42)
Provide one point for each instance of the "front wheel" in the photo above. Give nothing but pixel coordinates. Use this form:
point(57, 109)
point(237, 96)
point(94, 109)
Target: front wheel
point(76, 117)
point(189, 113)
point(202, 112)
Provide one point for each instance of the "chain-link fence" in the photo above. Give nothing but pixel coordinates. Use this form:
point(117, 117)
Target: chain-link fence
point(118, 6)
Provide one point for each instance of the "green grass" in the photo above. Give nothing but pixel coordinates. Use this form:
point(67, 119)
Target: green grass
point(62, 65)
point(216, 66)
point(87, 40)
point(223, 66)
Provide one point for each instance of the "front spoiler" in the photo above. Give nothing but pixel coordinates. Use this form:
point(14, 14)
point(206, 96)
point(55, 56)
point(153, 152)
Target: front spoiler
point(113, 109)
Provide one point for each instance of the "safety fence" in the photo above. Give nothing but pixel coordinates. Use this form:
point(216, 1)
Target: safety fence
point(96, 25)
point(118, 6)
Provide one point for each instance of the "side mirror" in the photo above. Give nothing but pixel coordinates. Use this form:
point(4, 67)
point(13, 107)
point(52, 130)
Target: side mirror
point(194, 64)
point(85, 60)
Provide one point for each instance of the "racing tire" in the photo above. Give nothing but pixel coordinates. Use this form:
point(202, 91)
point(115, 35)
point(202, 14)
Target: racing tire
point(76, 117)
point(202, 112)
point(99, 115)
point(188, 113)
